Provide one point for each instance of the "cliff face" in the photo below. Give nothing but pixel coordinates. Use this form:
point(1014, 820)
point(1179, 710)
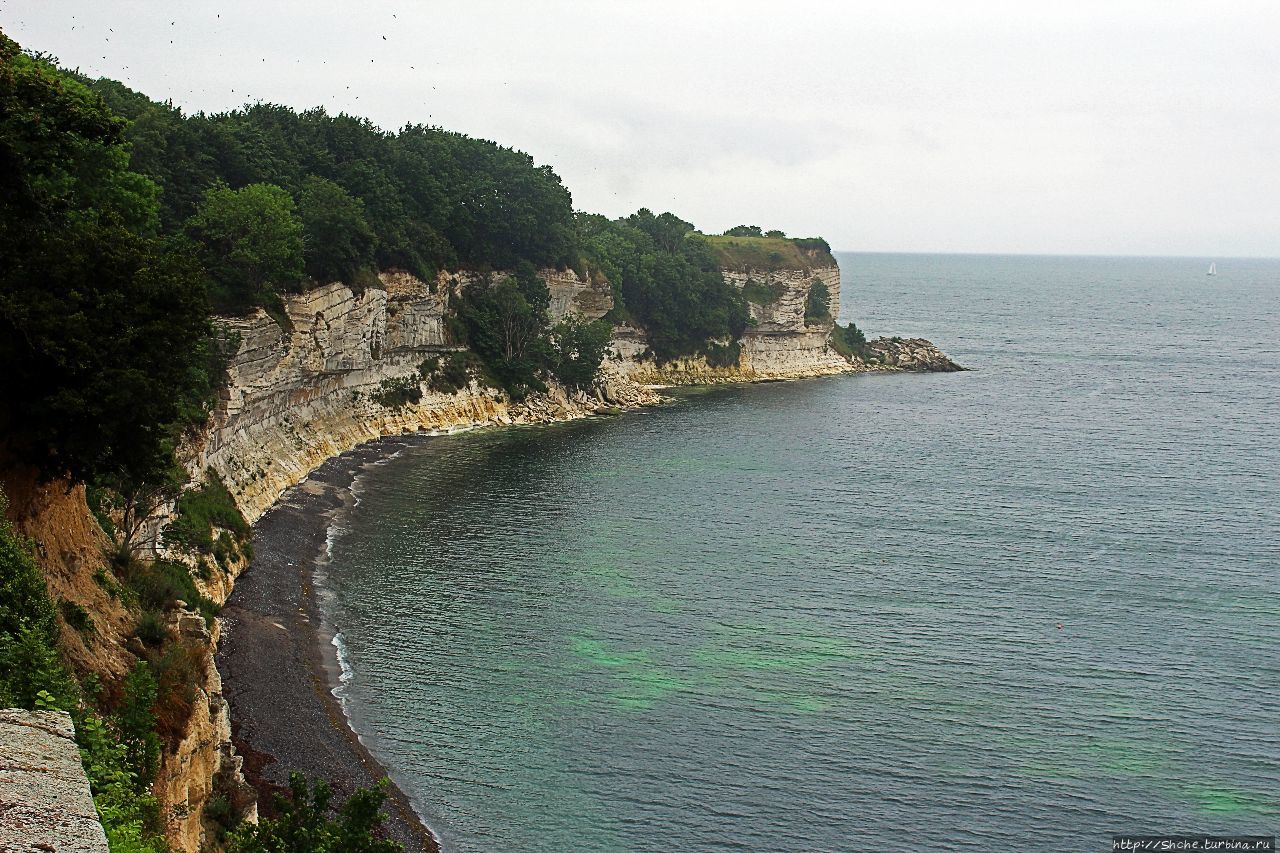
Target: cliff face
point(299, 397)
point(778, 345)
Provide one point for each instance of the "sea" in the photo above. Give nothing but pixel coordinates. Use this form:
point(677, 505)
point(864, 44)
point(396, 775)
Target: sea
point(1024, 607)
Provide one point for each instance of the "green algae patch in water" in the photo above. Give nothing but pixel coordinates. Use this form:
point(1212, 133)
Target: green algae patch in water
point(798, 614)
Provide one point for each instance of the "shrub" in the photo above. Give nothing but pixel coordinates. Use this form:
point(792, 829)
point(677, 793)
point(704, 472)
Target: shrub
point(449, 376)
point(107, 581)
point(178, 674)
point(849, 341)
point(761, 293)
point(29, 661)
point(135, 720)
point(151, 628)
point(199, 510)
point(817, 305)
point(398, 393)
point(160, 583)
point(225, 553)
point(303, 822)
point(723, 355)
point(76, 616)
point(219, 813)
point(130, 814)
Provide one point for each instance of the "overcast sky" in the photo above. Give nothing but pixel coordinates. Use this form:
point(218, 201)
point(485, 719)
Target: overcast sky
point(1104, 128)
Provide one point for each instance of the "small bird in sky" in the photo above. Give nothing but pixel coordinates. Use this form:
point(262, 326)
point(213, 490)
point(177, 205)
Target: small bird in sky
point(384, 38)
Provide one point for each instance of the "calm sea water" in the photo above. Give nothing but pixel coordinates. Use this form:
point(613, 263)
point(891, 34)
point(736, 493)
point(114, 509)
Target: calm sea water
point(1034, 604)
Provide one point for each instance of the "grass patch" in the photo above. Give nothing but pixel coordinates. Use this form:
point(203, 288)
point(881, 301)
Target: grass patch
point(770, 253)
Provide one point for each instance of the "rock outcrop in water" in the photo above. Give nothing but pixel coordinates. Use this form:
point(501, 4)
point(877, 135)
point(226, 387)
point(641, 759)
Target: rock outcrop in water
point(911, 354)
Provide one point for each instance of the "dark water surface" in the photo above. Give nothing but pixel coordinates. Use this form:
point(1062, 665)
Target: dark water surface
point(1033, 604)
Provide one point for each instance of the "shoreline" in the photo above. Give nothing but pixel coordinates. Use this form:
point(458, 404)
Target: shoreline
point(279, 665)
point(277, 657)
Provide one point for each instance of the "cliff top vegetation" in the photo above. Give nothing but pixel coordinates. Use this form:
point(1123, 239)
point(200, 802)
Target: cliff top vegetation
point(735, 251)
point(127, 223)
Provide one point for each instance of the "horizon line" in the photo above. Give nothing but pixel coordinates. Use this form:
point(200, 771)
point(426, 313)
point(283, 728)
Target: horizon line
point(1212, 258)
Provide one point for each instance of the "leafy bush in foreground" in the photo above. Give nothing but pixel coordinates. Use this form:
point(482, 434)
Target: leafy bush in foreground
point(303, 823)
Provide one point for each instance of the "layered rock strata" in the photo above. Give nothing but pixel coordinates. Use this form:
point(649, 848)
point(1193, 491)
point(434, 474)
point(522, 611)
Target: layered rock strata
point(45, 802)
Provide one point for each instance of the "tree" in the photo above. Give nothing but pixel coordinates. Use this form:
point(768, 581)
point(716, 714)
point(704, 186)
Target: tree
point(745, 231)
point(29, 661)
point(507, 332)
point(668, 279)
point(251, 243)
point(303, 823)
point(579, 348)
point(817, 304)
point(338, 242)
point(104, 330)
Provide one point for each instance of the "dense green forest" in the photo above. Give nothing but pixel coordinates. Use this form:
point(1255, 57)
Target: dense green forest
point(127, 223)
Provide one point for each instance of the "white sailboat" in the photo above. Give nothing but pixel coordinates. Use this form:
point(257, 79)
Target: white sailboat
point(1213, 269)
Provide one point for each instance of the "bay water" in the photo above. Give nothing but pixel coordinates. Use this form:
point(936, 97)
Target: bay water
point(1023, 607)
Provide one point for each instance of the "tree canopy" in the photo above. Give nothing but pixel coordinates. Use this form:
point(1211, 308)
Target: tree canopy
point(104, 329)
point(432, 199)
point(251, 245)
point(666, 279)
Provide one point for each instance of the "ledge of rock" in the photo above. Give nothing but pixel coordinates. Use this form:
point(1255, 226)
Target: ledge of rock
point(914, 354)
point(45, 804)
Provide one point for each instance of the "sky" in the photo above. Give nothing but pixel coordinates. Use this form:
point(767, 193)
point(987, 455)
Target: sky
point(1060, 128)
